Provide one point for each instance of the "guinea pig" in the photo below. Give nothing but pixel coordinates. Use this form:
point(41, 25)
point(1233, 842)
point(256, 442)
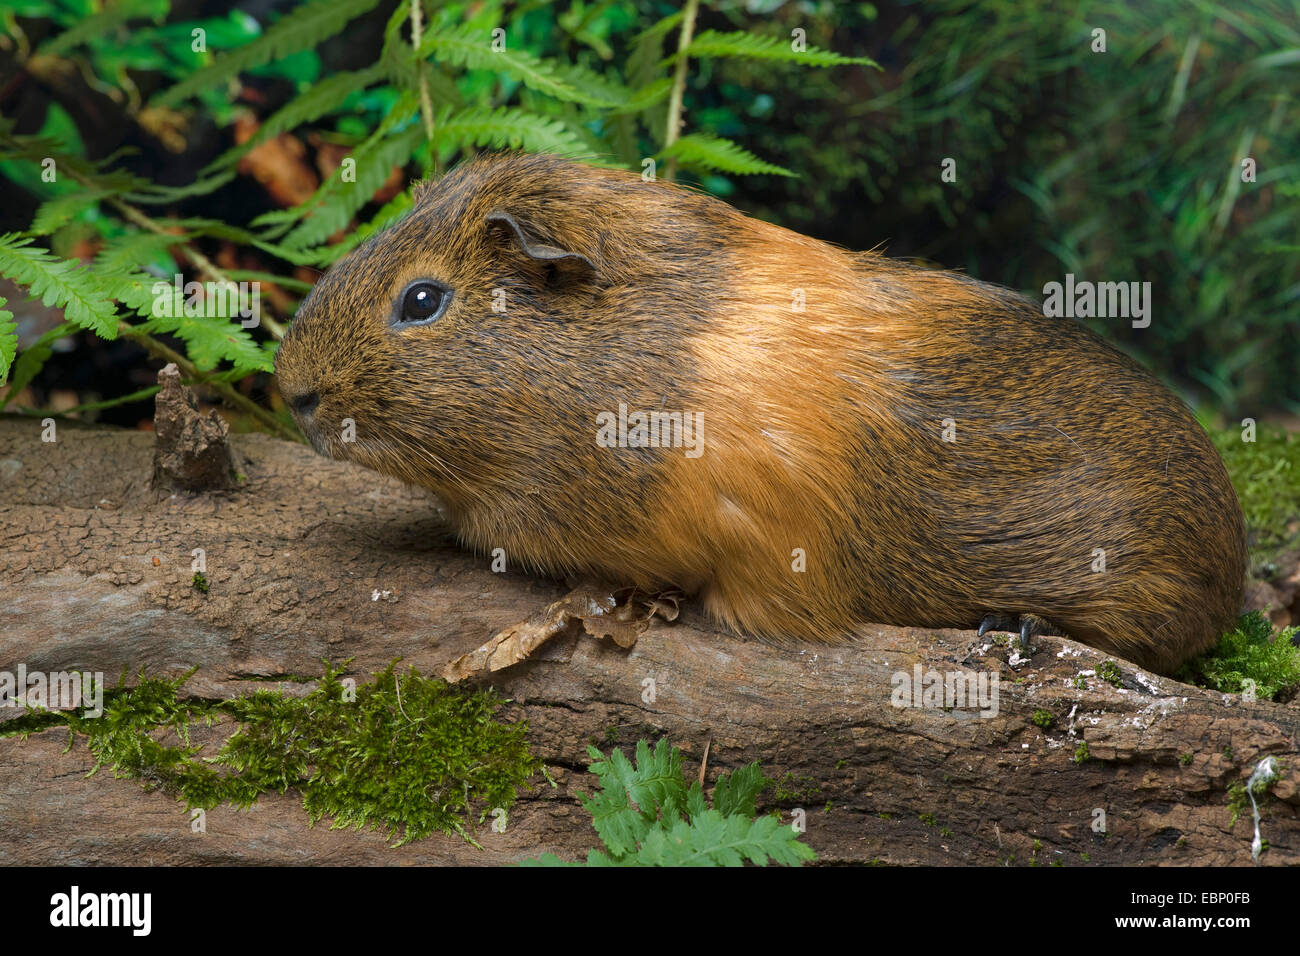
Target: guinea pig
point(631, 380)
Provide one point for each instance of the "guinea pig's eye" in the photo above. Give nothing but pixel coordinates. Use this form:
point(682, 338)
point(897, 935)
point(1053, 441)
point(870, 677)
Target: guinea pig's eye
point(421, 302)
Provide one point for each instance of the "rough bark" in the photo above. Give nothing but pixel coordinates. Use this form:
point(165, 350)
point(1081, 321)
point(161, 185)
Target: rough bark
point(310, 559)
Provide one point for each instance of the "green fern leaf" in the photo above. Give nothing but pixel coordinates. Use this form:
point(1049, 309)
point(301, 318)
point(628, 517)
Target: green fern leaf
point(59, 211)
point(711, 839)
point(392, 210)
point(301, 29)
point(649, 95)
point(131, 288)
point(506, 128)
point(702, 151)
point(167, 194)
point(470, 46)
point(324, 96)
point(8, 340)
point(222, 230)
point(403, 114)
point(58, 282)
point(96, 175)
point(101, 24)
point(632, 799)
point(660, 29)
point(736, 793)
point(375, 160)
point(212, 339)
point(134, 249)
point(752, 46)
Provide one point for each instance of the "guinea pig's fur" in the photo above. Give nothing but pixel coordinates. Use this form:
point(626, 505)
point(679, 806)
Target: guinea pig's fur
point(908, 447)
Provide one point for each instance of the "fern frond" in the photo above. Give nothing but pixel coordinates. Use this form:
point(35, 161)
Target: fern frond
point(132, 288)
point(166, 194)
point(712, 839)
point(58, 282)
point(276, 223)
point(59, 211)
point(470, 46)
point(647, 96)
point(323, 97)
point(375, 161)
point(101, 24)
point(36, 149)
point(133, 249)
point(211, 339)
point(753, 46)
point(633, 798)
point(737, 792)
point(703, 151)
point(8, 340)
point(392, 210)
point(301, 29)
point(507, 128)
point(647, 816)
point(659, 29)
point(288, 283)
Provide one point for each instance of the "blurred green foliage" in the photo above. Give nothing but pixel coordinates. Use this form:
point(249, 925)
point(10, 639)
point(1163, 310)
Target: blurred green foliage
point(1265, 470)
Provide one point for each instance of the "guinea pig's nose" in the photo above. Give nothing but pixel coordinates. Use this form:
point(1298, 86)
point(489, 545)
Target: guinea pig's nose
point(303, 404)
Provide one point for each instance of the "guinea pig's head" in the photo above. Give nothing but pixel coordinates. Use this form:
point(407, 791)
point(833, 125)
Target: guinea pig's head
point(479, 335)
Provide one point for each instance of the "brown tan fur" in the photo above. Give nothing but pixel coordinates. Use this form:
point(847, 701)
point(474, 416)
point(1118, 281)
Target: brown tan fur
point(822, 428)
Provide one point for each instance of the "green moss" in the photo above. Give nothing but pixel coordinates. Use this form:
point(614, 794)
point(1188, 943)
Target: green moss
point(1239, 797)
point(1085, 857)
point(1266, 475)
point(406, 754)
point(1254, 652)
point(199, 582)
point(1081, 752)
point(928, 819)
point(945, 832)
point(841, 764)
point(1109, 672)
point(796, 789)
point(1080, 682)
point(1238, 802)
point(1185, 759)
point(1044, 719)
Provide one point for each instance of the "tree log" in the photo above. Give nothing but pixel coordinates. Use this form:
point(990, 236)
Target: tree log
point(310, 559)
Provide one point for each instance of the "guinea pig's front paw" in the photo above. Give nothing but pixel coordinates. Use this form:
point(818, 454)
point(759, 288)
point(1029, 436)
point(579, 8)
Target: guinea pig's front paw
point(621, 614)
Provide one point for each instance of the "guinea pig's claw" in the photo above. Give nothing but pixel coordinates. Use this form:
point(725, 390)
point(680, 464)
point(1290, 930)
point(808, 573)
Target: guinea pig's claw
point(1026, 632)
point(996, 622)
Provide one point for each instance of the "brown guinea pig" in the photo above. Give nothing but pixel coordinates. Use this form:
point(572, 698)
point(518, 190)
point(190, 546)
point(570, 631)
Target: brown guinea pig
point(634, 381)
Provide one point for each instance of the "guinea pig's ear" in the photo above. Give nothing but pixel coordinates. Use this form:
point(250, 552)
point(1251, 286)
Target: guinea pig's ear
point(570, 263)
